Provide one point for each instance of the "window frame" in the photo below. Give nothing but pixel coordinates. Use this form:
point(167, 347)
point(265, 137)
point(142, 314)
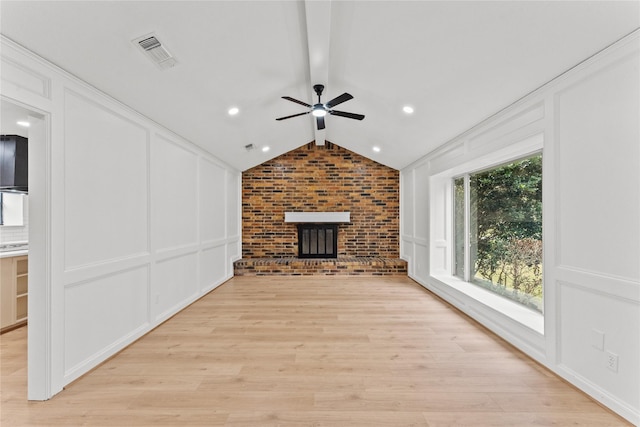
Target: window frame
point(441, 198)
point(468, 275)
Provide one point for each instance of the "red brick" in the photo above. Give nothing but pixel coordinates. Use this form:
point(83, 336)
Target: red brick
point(321, 179)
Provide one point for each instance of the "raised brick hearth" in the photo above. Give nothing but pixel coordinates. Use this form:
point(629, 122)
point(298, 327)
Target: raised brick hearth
point(349, 266)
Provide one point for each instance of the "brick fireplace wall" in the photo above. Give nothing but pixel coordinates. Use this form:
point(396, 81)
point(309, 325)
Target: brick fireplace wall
point(325, 178)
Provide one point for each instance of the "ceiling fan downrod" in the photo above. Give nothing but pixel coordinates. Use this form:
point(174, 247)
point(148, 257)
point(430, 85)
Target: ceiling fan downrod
point(318, 89)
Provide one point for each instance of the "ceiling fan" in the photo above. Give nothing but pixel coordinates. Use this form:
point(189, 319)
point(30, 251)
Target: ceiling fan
point(320, 110)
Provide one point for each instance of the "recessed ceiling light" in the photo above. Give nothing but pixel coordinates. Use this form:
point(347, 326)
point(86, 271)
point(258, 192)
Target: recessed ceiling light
point(23, 123)
point(233, 111)
point(376, 149)
point(407, 109)
point(265, 148)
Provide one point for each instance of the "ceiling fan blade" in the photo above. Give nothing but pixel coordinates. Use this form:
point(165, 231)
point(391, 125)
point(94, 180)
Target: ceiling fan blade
point(288, 98)
point(339, 100)
point(348, 115)
point(293, 115)
point(320, 122)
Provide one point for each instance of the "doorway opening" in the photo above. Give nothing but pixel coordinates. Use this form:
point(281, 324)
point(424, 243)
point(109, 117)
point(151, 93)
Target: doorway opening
point(34, 285)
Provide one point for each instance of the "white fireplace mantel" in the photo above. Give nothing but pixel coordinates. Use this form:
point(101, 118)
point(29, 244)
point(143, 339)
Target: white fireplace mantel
point(333, 217)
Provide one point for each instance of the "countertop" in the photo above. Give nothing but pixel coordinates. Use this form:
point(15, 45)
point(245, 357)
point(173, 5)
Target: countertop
point(8, 250)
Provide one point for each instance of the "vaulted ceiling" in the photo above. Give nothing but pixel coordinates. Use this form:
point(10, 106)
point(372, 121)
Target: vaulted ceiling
point(456, 63)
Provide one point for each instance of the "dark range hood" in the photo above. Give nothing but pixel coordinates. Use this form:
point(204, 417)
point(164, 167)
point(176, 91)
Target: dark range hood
point(14, 164)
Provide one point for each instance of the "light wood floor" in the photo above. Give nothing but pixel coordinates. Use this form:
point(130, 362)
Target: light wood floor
point(308, 352)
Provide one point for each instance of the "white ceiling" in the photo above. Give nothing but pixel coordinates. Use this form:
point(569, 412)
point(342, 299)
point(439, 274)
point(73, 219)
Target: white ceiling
point(456, 63)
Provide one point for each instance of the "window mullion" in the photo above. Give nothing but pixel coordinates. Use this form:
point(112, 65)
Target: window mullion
point(467, 228)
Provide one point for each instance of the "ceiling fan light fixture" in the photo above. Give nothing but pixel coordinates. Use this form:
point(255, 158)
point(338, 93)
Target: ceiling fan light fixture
point(319, 111)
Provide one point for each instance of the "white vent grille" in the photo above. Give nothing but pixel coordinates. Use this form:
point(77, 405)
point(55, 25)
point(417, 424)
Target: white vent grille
point(155, 50)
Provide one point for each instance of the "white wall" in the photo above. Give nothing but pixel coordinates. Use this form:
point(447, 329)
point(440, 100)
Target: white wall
point(129, 222)
point(590, 122)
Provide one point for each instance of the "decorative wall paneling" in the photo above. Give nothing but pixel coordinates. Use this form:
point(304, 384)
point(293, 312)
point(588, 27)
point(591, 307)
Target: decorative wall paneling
point(105, 183)
point(174, 175)
point(129, 222)
point(91, 329)
point(588, 119)
point(23, 78)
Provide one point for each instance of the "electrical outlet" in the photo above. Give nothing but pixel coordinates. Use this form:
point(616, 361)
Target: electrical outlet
point(612, 361)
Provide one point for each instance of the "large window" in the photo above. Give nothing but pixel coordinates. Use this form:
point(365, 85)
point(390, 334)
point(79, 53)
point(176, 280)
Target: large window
point(498, 230)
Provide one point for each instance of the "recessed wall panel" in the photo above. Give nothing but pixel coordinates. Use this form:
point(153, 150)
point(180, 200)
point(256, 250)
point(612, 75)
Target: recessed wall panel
point(212, 197)
point(212, 266)
point(105, 183)
point(233, 249)
point(599, 172)
point(439, 260)
point(408, 202)
point(176, 283)
point(102, 313)
point(583, 312)
point(174, 192)
point(407, 249)
point(421, 261)
point(25, 78)
point(421, 202)
point(439, 210)
point(233, 204)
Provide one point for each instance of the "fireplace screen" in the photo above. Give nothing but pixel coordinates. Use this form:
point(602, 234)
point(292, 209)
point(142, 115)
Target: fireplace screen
point(317, 240)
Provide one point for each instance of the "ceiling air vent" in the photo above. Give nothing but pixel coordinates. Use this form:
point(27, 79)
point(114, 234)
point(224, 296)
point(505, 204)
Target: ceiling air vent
point(154, 50)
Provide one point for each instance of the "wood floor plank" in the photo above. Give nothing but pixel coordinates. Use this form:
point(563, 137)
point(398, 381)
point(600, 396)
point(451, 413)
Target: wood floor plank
point(485, 419)
point(279, 382)
point(406, 402)
point(307, 351)
point(326, 419)
point(564, 401)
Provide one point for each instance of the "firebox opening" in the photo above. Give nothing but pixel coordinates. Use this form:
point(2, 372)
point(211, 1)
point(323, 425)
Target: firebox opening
point(317, 240)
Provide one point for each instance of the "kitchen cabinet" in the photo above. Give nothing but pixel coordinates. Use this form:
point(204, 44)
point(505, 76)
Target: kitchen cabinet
point(14, 291)
point(14, 162)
